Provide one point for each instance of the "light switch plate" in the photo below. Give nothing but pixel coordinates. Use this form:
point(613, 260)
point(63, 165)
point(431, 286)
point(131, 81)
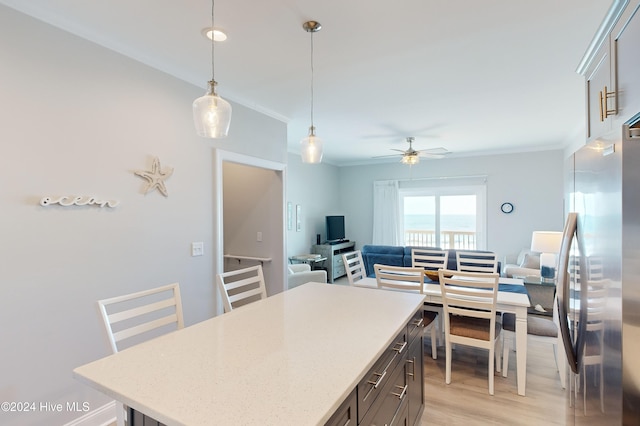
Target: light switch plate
point(197, 249)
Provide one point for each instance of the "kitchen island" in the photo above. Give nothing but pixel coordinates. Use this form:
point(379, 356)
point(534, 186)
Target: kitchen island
point(294, 358)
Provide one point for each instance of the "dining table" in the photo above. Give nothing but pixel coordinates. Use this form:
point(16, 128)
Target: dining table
point(512, 298)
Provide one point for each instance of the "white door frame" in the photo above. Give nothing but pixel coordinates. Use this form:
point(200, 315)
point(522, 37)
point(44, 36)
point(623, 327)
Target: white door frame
point(219, 157)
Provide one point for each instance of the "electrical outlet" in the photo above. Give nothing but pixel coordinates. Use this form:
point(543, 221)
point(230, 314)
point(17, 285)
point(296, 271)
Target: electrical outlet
point(197, 249)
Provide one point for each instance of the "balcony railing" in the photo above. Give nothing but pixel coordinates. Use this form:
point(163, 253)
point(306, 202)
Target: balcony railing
point(448, 239)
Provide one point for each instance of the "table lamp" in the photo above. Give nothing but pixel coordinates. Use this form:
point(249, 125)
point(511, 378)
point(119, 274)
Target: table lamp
point(547, 243)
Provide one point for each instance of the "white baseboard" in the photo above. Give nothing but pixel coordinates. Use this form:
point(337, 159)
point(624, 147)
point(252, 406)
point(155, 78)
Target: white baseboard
point(101, 416)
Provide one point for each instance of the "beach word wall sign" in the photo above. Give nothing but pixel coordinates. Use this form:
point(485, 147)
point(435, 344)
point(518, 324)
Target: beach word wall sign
point(79, 200)
point(155, 177)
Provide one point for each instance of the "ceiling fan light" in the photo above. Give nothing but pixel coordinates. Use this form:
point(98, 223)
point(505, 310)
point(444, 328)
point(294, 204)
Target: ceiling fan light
point(311, 148)
point(410, 159)
point(211, 114)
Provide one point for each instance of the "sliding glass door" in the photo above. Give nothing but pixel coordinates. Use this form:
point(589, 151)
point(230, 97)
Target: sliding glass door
point(445, 217)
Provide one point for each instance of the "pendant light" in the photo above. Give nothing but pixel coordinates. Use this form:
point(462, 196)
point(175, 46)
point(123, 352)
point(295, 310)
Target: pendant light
point(311, 146)
point(211, 113)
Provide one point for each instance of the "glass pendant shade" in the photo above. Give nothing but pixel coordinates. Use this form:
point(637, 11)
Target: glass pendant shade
point(311, 148)
point(211, 114)
point(410, 159)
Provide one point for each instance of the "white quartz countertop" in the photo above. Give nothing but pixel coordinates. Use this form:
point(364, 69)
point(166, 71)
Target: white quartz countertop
point(289, 359)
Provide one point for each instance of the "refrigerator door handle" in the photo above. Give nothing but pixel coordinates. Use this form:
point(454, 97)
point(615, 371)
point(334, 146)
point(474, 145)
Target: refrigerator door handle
point(573, 349)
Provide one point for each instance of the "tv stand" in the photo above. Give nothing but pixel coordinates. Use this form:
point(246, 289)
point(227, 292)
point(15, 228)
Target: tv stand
point(333, 243)
point(333, 252)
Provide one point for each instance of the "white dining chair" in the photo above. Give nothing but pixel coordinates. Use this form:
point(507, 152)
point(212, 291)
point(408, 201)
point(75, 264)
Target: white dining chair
point(140, 316)
point(408, 279)
point(241, 287)
point(474, 261)
point(356, 271)
point(469, 303)
point(538, 328)
point(431, 260)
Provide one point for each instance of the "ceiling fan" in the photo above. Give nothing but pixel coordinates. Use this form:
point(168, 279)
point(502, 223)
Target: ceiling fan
point(412, 156)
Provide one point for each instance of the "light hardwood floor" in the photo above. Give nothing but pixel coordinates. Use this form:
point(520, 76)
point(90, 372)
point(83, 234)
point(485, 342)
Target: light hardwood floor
point(466, 401)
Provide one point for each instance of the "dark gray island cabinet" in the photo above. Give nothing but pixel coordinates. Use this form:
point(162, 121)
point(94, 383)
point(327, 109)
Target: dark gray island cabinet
point(392, 392)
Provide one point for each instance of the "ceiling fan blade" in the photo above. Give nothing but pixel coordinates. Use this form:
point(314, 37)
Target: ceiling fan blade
point(387, 156)
point(437, 151)
point(427, 155)
point(399, 150)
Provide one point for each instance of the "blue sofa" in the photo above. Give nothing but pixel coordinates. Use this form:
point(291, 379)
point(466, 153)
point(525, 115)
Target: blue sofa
point(399, 256)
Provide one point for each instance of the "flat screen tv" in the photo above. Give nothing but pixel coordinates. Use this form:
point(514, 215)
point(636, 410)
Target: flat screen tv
point(335, 228)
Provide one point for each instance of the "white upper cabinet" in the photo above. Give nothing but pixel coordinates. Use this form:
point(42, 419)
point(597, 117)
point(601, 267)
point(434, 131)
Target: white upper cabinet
point(611, 70)
point(625, 58)
point(599, 92)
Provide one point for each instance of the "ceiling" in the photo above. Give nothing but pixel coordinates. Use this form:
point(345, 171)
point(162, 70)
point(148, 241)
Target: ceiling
point(474, 77)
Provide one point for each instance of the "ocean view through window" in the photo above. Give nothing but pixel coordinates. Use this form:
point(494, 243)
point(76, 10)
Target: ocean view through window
point(447, 217)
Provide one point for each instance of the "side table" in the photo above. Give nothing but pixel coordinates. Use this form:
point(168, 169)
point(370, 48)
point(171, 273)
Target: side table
point(541, 294)
point(310, 259)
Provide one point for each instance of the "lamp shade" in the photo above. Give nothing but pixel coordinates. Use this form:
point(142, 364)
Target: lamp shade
point(546, 241)
point(211, 114)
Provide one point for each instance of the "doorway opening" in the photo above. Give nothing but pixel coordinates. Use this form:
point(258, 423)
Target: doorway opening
point(249, 225)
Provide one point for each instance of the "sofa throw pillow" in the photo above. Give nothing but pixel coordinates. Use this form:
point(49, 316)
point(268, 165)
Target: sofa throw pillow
point(530, 261)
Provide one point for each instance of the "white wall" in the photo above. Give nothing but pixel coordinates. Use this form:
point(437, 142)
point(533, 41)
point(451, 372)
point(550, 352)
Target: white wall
point(532, 182)
point(77, 119)
point(315, 187)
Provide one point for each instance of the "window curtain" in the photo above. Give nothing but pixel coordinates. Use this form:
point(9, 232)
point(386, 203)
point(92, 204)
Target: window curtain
point(386, 213)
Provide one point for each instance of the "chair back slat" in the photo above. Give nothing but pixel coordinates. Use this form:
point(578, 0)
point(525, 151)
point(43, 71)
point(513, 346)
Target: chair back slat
point(137, 314)
point(473, 261)
point(132, 318)
point(241, 287)
point(400, 278)
point(354, 266)
point(143, 328)
point(429, 259)
point(469, 294)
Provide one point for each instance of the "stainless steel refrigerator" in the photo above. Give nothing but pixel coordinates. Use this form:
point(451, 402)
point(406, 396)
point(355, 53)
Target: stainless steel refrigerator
point(599, 280)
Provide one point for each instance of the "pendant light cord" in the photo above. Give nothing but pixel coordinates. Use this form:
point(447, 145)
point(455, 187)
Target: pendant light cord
point(312, 78)
point(213, 72)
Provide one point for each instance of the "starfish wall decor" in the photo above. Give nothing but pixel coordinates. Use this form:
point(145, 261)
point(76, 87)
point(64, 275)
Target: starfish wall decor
point(156, 177)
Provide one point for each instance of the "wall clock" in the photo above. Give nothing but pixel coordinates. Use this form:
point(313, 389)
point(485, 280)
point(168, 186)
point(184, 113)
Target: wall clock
point(506, 208)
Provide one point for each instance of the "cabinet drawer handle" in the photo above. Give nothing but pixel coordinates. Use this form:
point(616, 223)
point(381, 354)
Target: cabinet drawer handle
point(418, 323)
point(401, 348)
point(413, 367)
point(377, 382)
point(605, 112)
point(401, 394)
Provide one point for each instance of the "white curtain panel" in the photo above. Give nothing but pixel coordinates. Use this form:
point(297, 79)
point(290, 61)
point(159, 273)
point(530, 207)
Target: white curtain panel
point(386, 213)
